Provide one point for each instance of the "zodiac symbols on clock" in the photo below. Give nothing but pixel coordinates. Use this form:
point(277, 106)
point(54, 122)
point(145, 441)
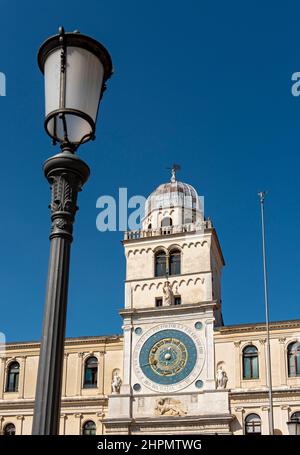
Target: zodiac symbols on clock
point(168, 356)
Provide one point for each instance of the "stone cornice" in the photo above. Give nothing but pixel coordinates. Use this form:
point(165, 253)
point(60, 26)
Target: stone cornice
point(173, 420)
point(257, 327)
point(278, 395)
point(104, 340)
point(169, 310)
point(114, 339)
point(171, 277)
point(68, 402)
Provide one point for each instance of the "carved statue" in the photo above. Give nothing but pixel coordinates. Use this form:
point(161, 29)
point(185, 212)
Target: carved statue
point(168, 294)
point(116, 383)
point(221, 378)
point(169, 407)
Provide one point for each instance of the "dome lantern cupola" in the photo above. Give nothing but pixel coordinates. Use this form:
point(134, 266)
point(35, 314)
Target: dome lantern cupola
point(173, 203)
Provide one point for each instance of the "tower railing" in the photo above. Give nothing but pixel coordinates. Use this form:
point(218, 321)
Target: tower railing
point(167, 230)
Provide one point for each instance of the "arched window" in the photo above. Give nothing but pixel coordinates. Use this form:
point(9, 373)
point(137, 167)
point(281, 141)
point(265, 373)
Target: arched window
point(90, 373)
point(295, 417)
point(293, 354)
point(174, 262)
point(89, 428)
point(9, 429)
point(13, 372)
point(167, 221)
point(160, 263)
point(252, 424)
point(250, 363)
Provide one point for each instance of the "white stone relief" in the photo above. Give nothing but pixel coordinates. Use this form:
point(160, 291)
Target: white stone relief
point(169, 407)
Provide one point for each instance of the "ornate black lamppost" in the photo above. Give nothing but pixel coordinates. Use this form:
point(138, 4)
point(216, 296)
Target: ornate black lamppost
point(294, 426)
point(76, 68)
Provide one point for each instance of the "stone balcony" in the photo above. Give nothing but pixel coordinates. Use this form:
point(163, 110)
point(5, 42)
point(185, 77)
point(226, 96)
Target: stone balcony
point(168, 230)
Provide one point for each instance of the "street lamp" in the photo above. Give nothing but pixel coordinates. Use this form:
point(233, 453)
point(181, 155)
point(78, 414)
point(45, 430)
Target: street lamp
point(294, 426)
point(76, 68)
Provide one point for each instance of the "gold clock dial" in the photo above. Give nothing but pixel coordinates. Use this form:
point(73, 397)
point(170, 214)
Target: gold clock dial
point(168, 356)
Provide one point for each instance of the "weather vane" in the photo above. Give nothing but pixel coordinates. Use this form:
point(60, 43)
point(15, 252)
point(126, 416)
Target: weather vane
point(174, 169)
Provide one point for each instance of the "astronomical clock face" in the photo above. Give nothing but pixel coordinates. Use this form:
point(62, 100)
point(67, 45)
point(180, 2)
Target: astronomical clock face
point(168, 357)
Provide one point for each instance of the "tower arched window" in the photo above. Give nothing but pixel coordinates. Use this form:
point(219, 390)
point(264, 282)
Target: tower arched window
point(9, 429)
point(90, 373)
point(253, 424)
point(13, 373)
point(89, 428)
point(250, 362)
point(160, 263)
point(293, 354)
point(174, 262)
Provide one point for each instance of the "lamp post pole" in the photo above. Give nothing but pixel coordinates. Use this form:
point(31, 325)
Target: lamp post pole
point(76, 68)
point(269, 370)
point(66, 174)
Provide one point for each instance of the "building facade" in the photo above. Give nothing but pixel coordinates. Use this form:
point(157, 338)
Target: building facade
point(176, 369)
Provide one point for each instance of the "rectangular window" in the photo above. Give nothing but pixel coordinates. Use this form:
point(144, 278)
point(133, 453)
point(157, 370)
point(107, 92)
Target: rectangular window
point(247, 368)
point(13, 382)
point(90, 373)
point(255, 368)
point(88, 376)
point(158, 301)
point(160, 264)
point(174, 263)
point(177, 300)
point(250, 368)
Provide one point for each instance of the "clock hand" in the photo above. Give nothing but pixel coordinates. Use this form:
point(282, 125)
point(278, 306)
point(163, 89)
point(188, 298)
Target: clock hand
point(150, 363)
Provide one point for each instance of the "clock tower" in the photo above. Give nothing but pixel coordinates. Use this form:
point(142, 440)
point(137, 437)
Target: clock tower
point(172, 304)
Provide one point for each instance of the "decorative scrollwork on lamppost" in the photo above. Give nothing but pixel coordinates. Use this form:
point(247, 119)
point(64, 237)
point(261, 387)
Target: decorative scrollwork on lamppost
point(76, 68)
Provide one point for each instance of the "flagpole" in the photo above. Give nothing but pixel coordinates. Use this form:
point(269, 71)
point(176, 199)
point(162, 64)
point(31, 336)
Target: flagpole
point(269, 374)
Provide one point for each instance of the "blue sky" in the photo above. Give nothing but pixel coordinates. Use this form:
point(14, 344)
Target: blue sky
point(207, 85)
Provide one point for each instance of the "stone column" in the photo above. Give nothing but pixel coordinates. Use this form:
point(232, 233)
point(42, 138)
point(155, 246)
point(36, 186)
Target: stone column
point(239, 413)
point(262, 366)
point(210, 354)
point(100, 416)
point(282, 362)
point(79, 374)
point(237, 364)
point(285, 417)
point(21, 387)
point(1, 424)
point(2, 375)
point(79, 417)
point(21, 420)
point(63, 420)
point(100, 376)
point(265, 420)
point(65, 375)
point(127, 329)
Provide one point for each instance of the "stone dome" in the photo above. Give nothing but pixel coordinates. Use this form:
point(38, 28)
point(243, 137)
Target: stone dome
point(170, 195)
